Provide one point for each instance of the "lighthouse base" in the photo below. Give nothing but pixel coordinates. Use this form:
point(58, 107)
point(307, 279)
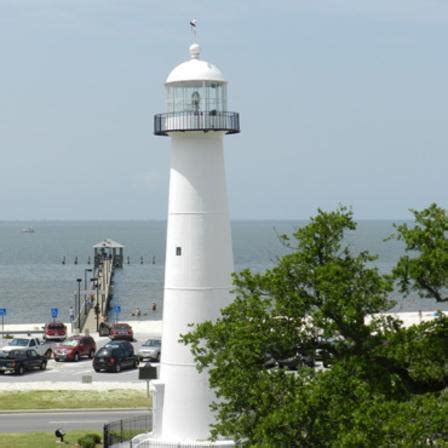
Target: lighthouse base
point(150, 441)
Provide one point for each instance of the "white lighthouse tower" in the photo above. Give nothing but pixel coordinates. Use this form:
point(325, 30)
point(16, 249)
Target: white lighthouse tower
point(199, 259)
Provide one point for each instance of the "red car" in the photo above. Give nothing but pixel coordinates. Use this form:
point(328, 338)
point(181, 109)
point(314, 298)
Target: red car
point(121, 331)
point(55, 331)
point(75, 347)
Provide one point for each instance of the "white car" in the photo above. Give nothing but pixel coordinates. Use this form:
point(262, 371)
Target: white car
point(26, 342)
point(150, 349)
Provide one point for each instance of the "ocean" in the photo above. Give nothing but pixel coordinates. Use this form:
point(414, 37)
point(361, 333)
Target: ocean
point(33, 279)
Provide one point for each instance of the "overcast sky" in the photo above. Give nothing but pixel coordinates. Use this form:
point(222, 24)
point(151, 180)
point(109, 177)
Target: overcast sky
point(340, 102)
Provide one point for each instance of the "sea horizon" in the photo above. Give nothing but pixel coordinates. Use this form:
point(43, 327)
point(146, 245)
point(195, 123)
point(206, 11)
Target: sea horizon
point(34, 279)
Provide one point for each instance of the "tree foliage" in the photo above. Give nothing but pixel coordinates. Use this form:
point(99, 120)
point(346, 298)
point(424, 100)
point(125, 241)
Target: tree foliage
point(424, 267)
point(383, 385)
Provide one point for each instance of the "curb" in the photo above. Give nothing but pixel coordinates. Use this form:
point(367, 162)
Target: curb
point(49, 411)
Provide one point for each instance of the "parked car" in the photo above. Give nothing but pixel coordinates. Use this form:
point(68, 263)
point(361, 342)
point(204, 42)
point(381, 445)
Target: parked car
point(55, 331)
point(19, 360)
point(114, 356)
point(25, 342)
point(74, 348)
point(291, 360)
point(121, 331)
point(150, 350)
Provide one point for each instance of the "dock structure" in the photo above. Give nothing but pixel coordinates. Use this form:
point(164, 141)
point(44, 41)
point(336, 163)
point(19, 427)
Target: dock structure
point(108, 249)
point(94, 303)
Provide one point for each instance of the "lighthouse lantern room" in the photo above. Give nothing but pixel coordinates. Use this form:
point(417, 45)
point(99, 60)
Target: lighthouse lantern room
point(196, 99)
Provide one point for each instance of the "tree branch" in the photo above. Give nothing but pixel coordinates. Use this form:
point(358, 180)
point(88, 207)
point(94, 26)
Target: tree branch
point(413, 386)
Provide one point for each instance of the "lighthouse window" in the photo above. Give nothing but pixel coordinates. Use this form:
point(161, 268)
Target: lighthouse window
point(178, 251)
point(194, 96)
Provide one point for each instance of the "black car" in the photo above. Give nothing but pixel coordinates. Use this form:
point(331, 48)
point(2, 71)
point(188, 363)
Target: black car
point(17, 361)
point(115, 356)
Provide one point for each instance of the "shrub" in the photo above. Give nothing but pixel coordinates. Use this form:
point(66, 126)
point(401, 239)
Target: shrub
point(89, 440)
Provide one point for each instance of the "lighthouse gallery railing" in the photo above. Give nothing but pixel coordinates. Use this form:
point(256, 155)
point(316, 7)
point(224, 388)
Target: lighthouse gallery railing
point(229, 122)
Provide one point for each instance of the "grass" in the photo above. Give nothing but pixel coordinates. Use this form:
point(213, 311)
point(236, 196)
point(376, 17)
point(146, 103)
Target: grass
point(40, 439)
point(62, 399)
point(72, 399)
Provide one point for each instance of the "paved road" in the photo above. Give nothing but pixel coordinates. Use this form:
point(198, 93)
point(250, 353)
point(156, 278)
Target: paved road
point(67, 420)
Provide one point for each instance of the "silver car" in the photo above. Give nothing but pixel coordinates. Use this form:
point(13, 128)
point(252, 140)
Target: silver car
point(150, 350)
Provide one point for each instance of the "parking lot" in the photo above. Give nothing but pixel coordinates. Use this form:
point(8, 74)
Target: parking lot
point(78, 374)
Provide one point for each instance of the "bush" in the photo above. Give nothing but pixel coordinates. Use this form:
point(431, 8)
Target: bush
point(89, 440)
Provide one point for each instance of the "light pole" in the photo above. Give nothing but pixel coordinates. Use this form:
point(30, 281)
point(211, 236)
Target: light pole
point(79, 280)
point(85, 277)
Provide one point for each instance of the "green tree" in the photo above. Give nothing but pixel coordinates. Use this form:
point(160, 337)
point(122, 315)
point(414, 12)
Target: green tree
point(424, 267)
point(320, 304)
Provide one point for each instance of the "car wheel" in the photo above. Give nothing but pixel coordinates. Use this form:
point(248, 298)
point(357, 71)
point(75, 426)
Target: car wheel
point(91, 354)
point(43, 366)
point(158, 357)
point(136, 364)
point(117, 367)
point(56, 359)
point(96, 370)
point(20, 370)
point(48, 353)
point(76, 357)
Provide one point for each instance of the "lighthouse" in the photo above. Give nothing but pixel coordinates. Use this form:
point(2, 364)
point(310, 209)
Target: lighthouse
point(199, 258)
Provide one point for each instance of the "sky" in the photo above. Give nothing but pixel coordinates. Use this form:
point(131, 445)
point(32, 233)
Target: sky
point(340, 101)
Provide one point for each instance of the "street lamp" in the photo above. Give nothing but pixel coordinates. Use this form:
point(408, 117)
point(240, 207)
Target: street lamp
point(85, 277)
point(79, 280)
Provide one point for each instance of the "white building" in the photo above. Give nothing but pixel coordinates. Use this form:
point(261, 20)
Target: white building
point(199, 258)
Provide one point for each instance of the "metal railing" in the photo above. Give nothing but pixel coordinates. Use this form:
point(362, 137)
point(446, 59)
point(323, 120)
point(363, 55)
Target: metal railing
point(124, 430)
point(80, 320)
point(213, 120)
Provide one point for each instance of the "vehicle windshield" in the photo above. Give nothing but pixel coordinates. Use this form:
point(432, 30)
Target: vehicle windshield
point(121, 327)
point(19, 342)
point(152, 343)
point(71, 342)
point(116, 345)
